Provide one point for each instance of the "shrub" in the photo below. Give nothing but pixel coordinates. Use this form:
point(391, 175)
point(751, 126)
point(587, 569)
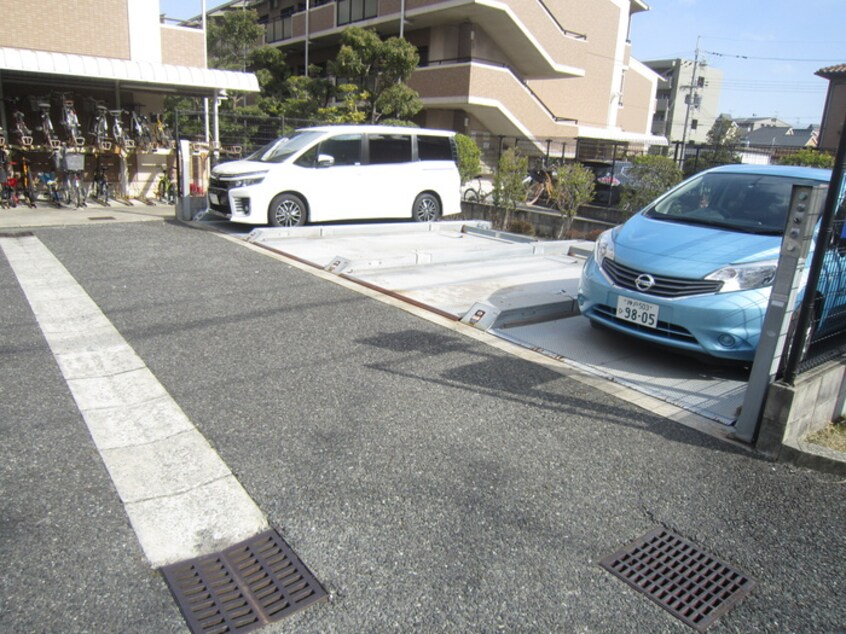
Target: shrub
point(510, 183)
point(573, 187)
point(649, 177)
point(469, 157)
point(809, 157)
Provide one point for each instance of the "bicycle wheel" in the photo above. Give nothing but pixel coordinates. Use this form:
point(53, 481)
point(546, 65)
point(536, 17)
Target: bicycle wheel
point(535, 191)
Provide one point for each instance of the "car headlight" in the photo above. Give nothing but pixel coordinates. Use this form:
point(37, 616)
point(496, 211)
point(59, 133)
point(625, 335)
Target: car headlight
point(604, 247)
point(744, 277)
point(242, 180)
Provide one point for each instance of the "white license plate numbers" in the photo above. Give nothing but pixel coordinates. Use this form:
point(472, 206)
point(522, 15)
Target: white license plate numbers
point(213, 198)
point(637, 312)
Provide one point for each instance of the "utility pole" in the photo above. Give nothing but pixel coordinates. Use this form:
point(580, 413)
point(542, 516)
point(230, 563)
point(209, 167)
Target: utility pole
point(690, 99)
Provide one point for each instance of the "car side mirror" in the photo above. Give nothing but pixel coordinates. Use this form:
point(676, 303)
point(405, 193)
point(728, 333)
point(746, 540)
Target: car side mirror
point(325, 160)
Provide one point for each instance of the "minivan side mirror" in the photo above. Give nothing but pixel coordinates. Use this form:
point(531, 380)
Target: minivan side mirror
point(325, 160)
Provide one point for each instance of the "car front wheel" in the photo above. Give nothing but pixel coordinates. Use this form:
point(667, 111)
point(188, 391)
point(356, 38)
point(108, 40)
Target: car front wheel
point(287, 210)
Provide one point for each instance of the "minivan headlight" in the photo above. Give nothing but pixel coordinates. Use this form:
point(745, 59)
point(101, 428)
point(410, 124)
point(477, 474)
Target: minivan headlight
point(744, 277)
point(242, 180)
point(604, 247)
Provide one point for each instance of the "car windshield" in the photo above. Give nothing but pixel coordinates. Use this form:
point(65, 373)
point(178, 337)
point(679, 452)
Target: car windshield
point(281, 149)
point(751, 203)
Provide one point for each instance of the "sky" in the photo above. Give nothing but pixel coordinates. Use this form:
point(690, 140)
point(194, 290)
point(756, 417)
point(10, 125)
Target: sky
point(768, 50)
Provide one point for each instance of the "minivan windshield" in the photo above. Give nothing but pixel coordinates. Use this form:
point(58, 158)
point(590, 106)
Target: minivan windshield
point(751, 203)
point(284, 147)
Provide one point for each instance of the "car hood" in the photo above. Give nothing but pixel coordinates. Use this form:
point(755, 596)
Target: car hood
point(685, 250)
point(239, 167)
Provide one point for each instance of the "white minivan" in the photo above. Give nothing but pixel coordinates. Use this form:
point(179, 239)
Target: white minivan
point(342, 172)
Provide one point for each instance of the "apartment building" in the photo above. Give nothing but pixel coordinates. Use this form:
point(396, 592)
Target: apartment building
point(687, 100)
point(543, 69)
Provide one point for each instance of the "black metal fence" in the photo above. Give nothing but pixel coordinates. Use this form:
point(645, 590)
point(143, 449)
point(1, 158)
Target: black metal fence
point(696, 157)
point(240, 134)
point(819, 332)
point(554, 151)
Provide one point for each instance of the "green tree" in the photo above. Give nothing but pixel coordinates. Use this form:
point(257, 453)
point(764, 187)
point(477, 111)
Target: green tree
point(809, 157)
point(722, 139)
point(232, 37)
point(649, 177)
point(509, 186)
point(379, 70)
point(272, 71)
point(469, 157)
point(573, 187)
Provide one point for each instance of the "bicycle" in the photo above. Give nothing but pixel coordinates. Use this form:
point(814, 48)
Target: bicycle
point(140, 130)
point(70, 121)
point(161, 133)
point(99, 127)
point(541, 188)
point(166, 188)
point(49, 189)
point(101, 188)
point(73, 165)
point(22, 134)
point(119, 133)
point(477, 190)
point(47, 130)
point(25, 184)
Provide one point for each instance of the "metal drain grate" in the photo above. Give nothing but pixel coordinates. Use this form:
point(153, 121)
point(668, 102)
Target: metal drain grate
point(692, 585)
point(244, 587)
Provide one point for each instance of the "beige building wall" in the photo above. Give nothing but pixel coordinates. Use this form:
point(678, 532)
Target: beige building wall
point(83, 27)
point(638, 99)
point(183, 46)
point(587, 99)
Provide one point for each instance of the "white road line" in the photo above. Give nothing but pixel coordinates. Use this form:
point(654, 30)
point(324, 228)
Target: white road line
point(181, 498)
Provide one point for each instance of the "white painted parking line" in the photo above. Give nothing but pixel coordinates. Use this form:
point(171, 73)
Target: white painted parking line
point(181, 498)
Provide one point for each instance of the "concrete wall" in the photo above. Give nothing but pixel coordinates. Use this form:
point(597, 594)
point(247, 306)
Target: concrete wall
point(791, 412)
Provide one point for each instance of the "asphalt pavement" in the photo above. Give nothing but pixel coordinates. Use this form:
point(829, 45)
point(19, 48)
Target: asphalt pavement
point(433, 479)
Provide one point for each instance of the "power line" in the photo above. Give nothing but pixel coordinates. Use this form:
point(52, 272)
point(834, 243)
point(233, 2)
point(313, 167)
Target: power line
point(774, 59)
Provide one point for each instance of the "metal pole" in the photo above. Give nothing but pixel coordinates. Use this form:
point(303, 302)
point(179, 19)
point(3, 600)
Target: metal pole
point(205, 39)
point(306, 36)
point(402, 19)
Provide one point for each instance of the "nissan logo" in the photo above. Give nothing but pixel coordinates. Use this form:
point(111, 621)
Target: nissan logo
point(644, 282)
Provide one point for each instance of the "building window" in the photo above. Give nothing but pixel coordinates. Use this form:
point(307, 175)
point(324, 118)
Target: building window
point(694, 124)
point(356, 10)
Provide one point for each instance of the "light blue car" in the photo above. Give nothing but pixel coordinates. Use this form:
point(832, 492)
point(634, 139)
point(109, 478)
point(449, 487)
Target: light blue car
point(693, 270)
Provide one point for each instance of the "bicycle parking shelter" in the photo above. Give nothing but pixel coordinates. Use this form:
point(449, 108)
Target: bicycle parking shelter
point(31, 77)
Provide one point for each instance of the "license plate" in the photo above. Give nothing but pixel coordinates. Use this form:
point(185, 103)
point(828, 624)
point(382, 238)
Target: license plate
point(214, 199)
point(637, 312)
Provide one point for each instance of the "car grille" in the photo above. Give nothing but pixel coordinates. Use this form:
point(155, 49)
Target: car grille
point(218, 183)
point(625, 277)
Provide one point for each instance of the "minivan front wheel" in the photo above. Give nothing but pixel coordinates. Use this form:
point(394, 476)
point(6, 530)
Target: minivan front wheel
point(427, 208)
point(287, 210)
